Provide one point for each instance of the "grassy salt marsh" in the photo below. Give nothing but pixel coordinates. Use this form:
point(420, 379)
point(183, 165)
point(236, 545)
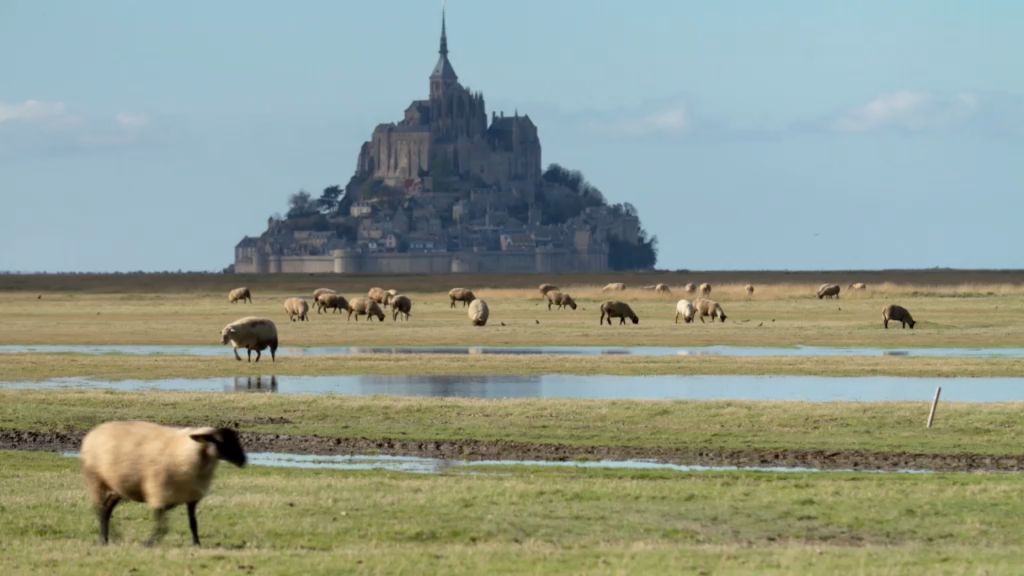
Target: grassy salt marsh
point(271, 520)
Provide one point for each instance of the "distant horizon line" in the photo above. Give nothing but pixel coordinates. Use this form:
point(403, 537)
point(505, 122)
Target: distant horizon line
point(649, 271)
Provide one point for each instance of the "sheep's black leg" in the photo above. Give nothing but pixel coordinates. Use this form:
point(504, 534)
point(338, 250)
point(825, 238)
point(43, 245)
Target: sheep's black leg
point(104, 511)
point(237, 357)
point(192, 523)
point(160, 518)
point(249, 351)
point(258, 354)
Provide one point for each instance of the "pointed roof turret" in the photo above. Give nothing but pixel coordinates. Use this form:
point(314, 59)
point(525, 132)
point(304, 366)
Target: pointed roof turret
point(443, 69)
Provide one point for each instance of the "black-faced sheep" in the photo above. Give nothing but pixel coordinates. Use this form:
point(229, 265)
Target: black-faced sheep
point(251, 333)
point(685, 309)
point(162, 466)
point(461, 295)
point(478, 312)
point(615, 309)
point(297, 309)
point(242, 294)
point(400, 304)
point(365, 307)
point(710, 308)
point(897, 313)
point(545, 288)
point(828, 290)
point(614, 287)
point(389, 297)
point(331, 301)
point(559, 299)
point(705, 289)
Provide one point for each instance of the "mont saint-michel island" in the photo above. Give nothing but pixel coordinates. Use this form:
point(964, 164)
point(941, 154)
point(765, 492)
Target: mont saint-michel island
point(444, 190)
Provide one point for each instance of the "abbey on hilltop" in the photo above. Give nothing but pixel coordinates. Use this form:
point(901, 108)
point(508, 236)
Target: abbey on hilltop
point(443, 190)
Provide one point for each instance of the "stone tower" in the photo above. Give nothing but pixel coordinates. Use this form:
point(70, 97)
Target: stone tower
point(443, 76)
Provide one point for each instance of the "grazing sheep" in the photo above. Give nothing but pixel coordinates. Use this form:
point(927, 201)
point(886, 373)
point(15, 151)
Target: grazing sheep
point(461, 295)
point(545, 288)
point(319, 291)
point(242, 294)
point(690, 288)
point(162, 466)
point(332, 301)
point(364, 307)
point(561, 300)
point(251, 333)
point(614, 287)
point(897, 313)
point(478, 312)
point(615, 309)
point(705, 289)
point(685, 309)
point(858, 286)
point(829, 290)
point(710, 308)
point(297, 308)
point(662, 289)
point(400, 304)
point(389, 297)
point(376, 294)
point(749, 289)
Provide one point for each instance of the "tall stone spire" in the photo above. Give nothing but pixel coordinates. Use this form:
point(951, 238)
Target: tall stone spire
point(443, 74)
point(444, 37)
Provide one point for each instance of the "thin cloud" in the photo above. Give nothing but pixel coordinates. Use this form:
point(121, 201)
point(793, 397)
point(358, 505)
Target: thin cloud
point(30, 111)
point(908, 110)
point(35, 127)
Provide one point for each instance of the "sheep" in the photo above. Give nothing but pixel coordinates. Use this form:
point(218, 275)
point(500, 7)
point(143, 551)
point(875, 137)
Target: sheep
point(364, 307)
point(896, 313)
point(461, 295)
point(297, 308)
point(710, 308)
point(251, 333)
point(376, 294)
point(858, 286)
point(614, 287)
point(162, 466)
point(400, 303)
point(561, 300)
point(662, 289)
point(242, 294)
point(690, 288)
point(545, 288)
point(685, 309)
point(829, 290)
point(389, 297)
point(319, 291)
point(705, 289)
point(749, 288)
point(615, 309)
point(478, 312)
point(332, 301)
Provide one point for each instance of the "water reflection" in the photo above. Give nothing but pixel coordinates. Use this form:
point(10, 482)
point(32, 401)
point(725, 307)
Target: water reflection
point(214, 350)
point(710, 387)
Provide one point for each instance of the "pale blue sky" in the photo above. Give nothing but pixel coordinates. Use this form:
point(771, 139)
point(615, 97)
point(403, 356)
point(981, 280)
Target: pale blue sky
point(153, 136)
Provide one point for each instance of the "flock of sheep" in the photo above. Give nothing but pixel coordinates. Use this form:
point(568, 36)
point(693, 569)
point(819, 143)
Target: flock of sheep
point(166, 467)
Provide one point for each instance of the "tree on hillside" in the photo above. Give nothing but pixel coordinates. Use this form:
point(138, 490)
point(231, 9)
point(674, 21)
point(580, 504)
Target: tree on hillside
point(300, 204)
point(328, 201)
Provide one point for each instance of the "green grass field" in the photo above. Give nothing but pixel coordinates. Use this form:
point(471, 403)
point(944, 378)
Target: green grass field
point(269, 520)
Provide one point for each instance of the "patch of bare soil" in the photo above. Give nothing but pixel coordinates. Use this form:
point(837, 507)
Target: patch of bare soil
point(69, 441)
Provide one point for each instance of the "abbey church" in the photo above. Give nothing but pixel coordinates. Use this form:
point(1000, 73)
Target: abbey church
point(445, 189)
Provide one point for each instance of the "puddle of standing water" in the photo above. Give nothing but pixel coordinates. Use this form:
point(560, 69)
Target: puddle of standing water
point(214, 350)
point(419, 465)
point(668, 387)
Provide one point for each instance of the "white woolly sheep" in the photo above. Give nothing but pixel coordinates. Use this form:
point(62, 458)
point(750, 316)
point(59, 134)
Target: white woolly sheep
point(297, 309)
point(662, 289)
point(685, 309)
point(400, 304)
point(161, 466)
point(615, 309)
point(710, 308)
point(614, 287)
point(331, 301)
point(376, 294)
point(389, 297)
point(478, 312)
point(461, 295)
point(858, 286)
point(242, 294)
point(319, 291)
point(705, 289)
point(251, 333)
point(897, 313)
point(690, 288)
point(365, 307)
point(749, 288)
point(829, 290)
point(545, 288)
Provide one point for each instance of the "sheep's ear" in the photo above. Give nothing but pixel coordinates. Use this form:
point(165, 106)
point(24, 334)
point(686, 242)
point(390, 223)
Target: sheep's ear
point(203, 438)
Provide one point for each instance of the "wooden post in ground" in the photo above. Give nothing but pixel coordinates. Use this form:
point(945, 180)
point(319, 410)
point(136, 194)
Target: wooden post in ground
point(935, 402)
